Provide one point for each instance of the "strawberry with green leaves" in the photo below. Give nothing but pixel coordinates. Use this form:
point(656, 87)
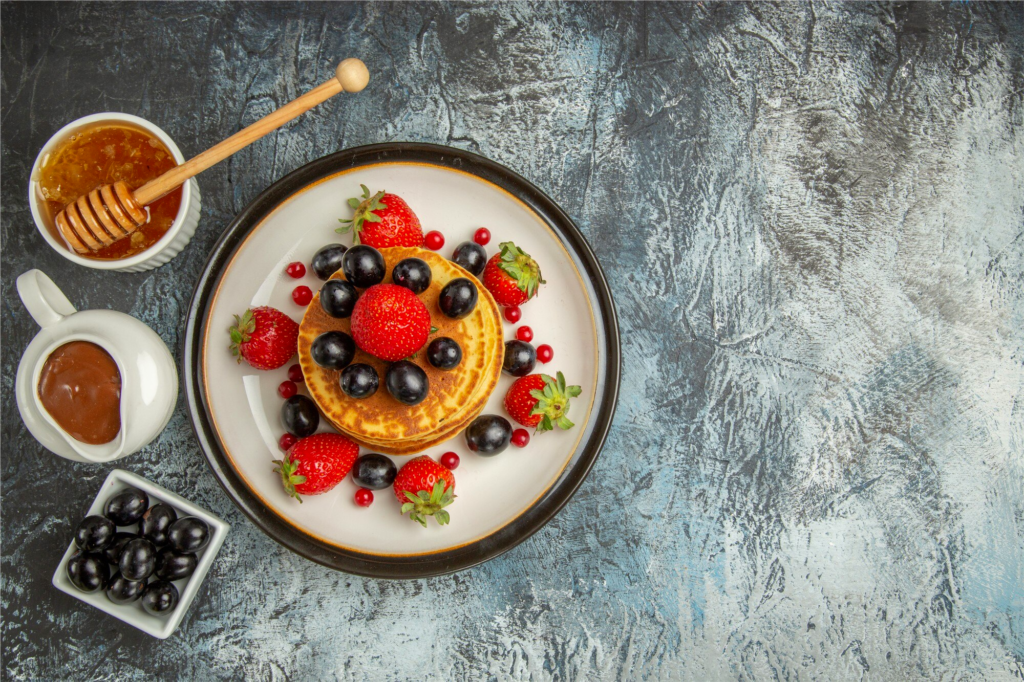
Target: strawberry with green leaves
point(425, 488)
point(512, 276)
point(541, 401)
point(382, 220)
point(316, 464)
point(265, 337)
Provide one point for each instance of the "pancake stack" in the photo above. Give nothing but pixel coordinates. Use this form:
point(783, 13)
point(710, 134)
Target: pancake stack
point(456, 396)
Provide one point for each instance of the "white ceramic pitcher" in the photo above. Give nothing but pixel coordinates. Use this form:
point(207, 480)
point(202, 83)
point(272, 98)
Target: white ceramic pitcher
point(149, 379)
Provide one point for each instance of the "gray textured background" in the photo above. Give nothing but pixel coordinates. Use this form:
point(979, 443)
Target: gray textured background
point(812, 219)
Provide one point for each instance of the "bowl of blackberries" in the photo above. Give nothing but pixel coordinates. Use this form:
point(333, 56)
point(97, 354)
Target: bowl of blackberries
point(140, 553)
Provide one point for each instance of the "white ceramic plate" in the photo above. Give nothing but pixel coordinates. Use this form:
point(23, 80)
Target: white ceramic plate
point(236, 409)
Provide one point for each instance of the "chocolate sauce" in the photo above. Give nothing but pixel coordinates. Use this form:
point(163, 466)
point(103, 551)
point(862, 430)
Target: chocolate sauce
point(80, 386)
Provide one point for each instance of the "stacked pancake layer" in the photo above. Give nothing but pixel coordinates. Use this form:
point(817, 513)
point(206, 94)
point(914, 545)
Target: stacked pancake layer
point(456, 396)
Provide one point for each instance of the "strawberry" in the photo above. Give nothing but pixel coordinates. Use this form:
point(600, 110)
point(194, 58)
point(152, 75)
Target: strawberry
point(316, 464)
point(265, 337)
point(390, 322)
point(512, 276)
point(382, 220)
point(541, 401)
point(425, 488)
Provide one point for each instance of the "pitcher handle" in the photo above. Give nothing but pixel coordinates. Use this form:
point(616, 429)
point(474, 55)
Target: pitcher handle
point(46, 303)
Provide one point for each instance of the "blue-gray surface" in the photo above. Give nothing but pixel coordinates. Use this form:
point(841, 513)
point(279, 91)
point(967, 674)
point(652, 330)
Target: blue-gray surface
point(812, 219)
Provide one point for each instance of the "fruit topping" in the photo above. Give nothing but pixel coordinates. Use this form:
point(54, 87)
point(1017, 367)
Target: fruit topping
point(458, 298)
point(316, 464)
point(470, 256)
point(286, 441)
point(482, 236)
point(512, 276)
point(524, 333)
point(520, 358)
point(450, 460)
point(363, 266)
point(545, 353)
point(390, 322)
point(520, 438)
point(374, 471)
point(327, 260)
point(88, 571)
point(407, 382)
point(264, 337)
point(161, 597)
point(172, 565)
point(333, 350)
point(413, 274)
point(287, 389)
point(188, 534)
point(295, 374)
point(112, 552)
point(425, 488)
point(124, 591)
point(488, 435)
point(126, 507)
point(94, 532)
point(154, 526)
point(434, 240)
point(444, 353)
point(296, 270)
point(382, 220)
point(302, 295)
point(363, 497)
point(513, 314)
point(359, 381)
point(540, 400)
point(300, 416)
point(338, 298)
point(138, 559)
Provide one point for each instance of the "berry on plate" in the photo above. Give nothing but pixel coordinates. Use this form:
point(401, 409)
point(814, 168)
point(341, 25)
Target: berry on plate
point(425, 488)
point(327, 260)
point(264, 337)
point(296, 270)
point(295, 374)
point(434, 240)
point(364, 497)
point(513, 313)
point(316, 464)
point(540, 400)
point(302, 295)
point(390, 322)
point(520, 438)
point(488, 435)
point(382, 220)
point(545, 353)
point(512, 276)
point(450, 461)
point(482, 236)
point(287, 389)
point(524, 333)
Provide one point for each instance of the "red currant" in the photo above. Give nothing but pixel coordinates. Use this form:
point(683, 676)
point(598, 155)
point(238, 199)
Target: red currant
point(513, 313)
point(287, 440)
point(433, 240)
point(482, 236)
point(302, 295)
point(524, 334)
point(545, 353)
point(295, 269)
point(364, 497)
point(520, 438)
point(450, 461)
point(295, 374)
point(287, 389)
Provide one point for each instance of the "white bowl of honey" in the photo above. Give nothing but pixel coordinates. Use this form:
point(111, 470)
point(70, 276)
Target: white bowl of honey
point(105, 148)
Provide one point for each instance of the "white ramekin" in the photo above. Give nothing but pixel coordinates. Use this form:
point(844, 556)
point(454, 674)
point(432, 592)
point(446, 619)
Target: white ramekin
point(169, 246)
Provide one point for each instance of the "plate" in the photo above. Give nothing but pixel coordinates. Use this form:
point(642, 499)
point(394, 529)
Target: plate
point(501, 500)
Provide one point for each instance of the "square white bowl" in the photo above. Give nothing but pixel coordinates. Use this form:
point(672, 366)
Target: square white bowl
point(133, 614)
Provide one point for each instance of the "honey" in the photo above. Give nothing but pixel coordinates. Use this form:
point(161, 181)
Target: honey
point(101, 155)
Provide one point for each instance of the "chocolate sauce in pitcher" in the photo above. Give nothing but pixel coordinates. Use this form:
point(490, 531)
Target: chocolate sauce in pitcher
point(80, 386)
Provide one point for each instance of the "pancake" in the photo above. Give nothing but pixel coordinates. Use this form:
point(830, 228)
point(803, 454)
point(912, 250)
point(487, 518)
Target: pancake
point(455, 396)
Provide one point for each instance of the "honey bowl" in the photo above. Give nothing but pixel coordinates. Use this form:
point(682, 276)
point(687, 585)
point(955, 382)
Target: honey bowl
point(163, 244)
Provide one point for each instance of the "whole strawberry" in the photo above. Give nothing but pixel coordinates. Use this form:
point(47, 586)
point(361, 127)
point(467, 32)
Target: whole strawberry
point(316, 464)
point(390, 322)
point(540, 400)
point(382, 220)
point(512, 276)
point(265, 337)
point(425, 488)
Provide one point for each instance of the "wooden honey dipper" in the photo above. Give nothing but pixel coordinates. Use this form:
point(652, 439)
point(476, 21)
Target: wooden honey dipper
point(113, 212)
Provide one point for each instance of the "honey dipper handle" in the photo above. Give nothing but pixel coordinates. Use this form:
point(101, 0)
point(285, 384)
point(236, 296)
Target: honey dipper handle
point(350, 76)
